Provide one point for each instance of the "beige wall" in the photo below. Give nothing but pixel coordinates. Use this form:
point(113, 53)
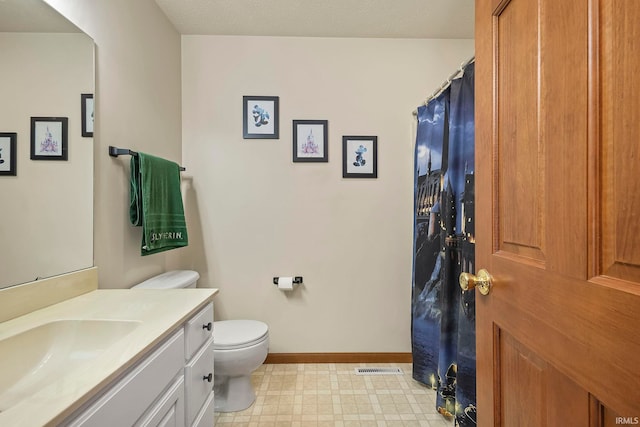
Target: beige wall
point(46, 212)
point(254, 214)
point(137, 107)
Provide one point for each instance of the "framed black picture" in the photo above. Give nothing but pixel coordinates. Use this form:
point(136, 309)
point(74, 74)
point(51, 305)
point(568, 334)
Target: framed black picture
point(8, 153)
point(49, 138)
point(310, 141)
point(87, 114)
point(359, 156)
point(260, 117)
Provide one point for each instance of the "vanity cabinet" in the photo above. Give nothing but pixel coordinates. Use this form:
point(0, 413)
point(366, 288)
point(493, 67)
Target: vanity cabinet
point(172, 386)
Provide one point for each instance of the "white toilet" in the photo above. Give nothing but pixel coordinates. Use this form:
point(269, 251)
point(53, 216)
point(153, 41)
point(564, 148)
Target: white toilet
point(239, 347)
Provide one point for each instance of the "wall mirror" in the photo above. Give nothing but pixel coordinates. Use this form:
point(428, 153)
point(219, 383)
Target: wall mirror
point(46, 213)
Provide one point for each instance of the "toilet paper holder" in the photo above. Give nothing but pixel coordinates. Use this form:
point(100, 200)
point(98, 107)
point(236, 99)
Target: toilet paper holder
point(297, 280)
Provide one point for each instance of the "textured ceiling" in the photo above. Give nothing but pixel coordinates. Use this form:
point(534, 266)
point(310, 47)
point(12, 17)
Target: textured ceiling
point(324, 18)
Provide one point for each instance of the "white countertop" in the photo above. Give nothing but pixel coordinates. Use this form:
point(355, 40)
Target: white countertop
point(159, 312)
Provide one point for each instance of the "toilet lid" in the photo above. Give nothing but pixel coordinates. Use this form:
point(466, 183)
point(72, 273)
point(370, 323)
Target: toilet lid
point(230, 334)
point(174, 279)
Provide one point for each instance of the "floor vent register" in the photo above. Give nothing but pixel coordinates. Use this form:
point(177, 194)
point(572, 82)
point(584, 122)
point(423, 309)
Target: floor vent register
point(378, 371)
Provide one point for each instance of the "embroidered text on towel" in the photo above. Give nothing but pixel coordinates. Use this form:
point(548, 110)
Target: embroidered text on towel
point(166, 236)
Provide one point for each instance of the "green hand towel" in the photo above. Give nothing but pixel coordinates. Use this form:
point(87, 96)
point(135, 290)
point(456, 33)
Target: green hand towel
point(156, 204)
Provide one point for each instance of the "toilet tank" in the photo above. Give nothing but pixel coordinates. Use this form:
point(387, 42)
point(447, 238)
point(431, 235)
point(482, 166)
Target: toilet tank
point(174, 279)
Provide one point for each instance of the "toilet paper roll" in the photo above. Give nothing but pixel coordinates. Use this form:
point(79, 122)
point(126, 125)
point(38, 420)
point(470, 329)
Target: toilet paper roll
point(285, 283)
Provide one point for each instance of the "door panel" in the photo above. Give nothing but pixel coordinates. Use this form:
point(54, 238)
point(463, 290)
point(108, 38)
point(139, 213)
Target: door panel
point(620, 44)
point(563, 80)
point(520, 166)
point(558, 211)
point(527, 382)
point(522, 378)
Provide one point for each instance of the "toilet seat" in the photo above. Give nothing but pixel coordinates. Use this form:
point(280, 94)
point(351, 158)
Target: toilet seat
point(235, 334)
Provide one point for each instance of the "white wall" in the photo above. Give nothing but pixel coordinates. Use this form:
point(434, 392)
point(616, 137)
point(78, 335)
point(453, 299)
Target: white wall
point(137, 104)
point(254, 214)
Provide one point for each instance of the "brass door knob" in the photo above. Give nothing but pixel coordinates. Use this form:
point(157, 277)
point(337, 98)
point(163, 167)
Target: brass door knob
point(482, 281)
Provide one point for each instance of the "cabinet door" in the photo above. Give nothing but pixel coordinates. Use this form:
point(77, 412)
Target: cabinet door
point(169, 410)
point(129, 398)
point(206, 417)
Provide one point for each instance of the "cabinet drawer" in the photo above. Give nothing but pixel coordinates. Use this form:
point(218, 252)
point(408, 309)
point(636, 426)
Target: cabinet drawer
point(207, 416)
point(131, 396)
point(198, 330)
point(169, 410)
point(197, 386)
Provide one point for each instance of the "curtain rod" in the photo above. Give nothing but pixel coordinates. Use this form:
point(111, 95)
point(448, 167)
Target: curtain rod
point(447, 82)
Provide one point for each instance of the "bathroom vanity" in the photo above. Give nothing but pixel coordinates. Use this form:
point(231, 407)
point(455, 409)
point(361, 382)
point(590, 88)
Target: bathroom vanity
point(121, 357)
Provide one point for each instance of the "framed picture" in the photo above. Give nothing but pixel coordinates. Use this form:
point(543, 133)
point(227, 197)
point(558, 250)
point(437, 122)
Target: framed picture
point(359, 156)
point(8, 153)
point(49, 138)
point(260, 117)
point(310, 141)
point(87, 114)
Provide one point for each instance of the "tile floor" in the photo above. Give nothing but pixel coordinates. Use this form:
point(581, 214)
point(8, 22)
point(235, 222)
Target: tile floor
point(332, 395)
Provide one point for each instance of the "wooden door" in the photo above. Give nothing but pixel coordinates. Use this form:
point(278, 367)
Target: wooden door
point(558, 212)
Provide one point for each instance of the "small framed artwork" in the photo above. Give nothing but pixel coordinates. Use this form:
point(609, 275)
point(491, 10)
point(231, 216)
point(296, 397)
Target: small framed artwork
point(359, 156)
point(87, 114)
point(260, 117)
point(310, 141)
point(49, 138)
point(8, 153)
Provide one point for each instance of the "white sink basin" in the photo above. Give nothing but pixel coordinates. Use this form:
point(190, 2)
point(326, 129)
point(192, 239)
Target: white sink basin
point(40, 356)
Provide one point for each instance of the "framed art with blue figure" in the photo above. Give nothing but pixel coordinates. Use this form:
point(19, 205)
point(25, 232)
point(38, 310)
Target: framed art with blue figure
point(8, 153)
point(359, 156)
point(260, 117)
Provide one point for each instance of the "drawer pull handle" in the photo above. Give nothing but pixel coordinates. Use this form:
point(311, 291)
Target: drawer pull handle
point(208, 326)
point(208, 377)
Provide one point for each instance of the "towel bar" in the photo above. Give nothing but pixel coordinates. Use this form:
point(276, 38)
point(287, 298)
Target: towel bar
point(115, 152)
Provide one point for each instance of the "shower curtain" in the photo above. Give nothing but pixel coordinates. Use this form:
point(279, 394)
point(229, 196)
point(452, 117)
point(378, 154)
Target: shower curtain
point(443, 316)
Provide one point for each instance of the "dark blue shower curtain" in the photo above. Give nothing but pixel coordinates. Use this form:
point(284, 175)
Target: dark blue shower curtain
point(443, 316)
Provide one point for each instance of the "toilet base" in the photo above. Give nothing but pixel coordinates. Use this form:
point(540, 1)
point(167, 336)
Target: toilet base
point(233, 394)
